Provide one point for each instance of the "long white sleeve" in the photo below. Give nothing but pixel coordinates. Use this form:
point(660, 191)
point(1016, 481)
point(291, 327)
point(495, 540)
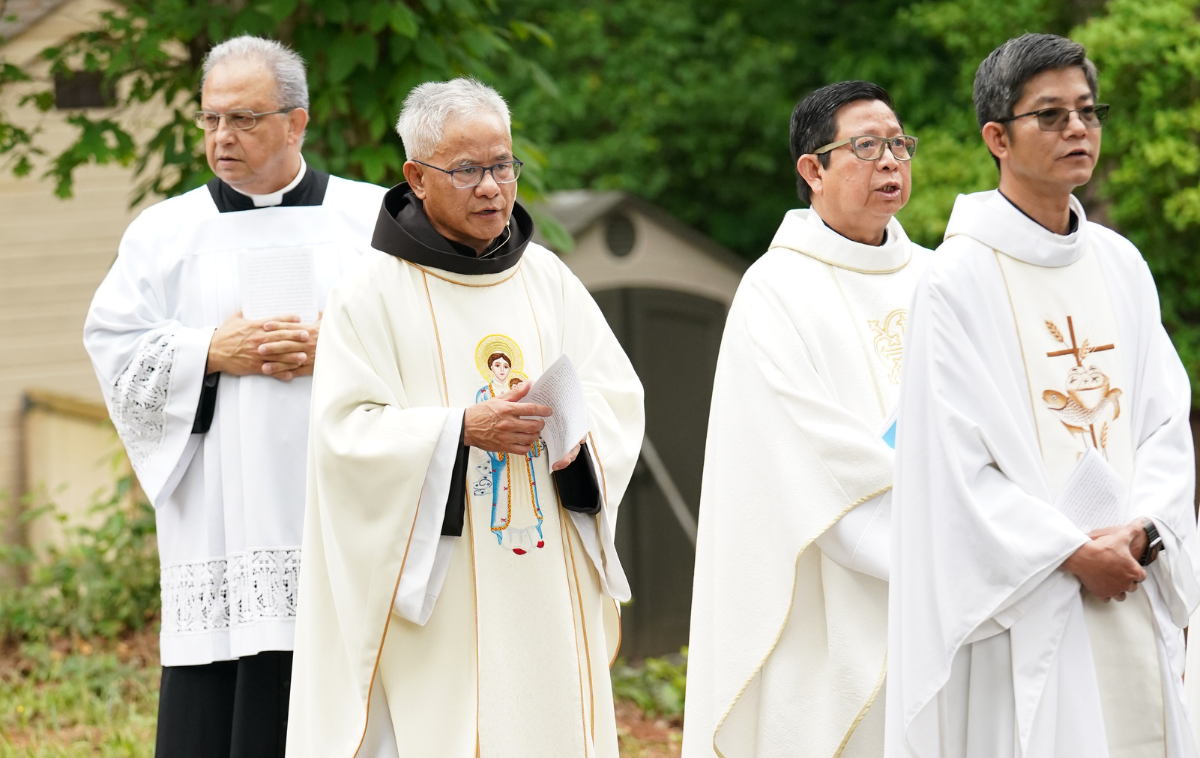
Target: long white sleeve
point(862, 539)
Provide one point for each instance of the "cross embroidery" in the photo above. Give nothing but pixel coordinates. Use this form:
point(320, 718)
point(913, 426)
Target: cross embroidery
point(1075, 349)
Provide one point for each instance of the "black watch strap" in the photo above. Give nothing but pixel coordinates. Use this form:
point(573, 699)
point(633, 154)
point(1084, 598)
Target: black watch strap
point(1154, 543)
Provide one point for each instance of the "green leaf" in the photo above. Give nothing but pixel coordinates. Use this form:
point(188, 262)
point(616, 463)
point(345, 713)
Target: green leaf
point(403, 21)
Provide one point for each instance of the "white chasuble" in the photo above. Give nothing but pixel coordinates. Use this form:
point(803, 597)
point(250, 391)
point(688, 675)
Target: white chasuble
point(1030, 354)
point(789, 608)
point(1076, 372)
point(497, 642)
point(229, 500)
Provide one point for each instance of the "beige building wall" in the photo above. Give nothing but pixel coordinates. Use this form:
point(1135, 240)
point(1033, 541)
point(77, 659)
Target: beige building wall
point(53, 255)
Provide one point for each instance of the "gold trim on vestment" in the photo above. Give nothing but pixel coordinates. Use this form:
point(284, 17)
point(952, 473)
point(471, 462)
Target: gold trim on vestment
point(424, 270)
point(475, 594)
point(386, 624)
point(1012, 308)
point(438, 337)
point(863, 713)
point(786, 618)
point(562, 533)
point(604, 487)
point(907, 260)
point(536, 327)
point(861, 342)
point(587, 647)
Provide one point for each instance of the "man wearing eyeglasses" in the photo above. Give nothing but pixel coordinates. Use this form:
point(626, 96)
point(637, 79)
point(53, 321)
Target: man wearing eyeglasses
point(460, 590)
point(789, 610)
point(204, 335)
point(1044, 540)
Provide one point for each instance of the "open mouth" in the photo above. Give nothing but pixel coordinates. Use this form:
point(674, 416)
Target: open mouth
point(1081, 153)
point(487, 212)
point(890, 190)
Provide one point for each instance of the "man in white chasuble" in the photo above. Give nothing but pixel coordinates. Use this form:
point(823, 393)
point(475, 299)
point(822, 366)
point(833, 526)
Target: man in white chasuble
point(203, 335)
point(789, 610)
point(1044, 544)
point(460, 590)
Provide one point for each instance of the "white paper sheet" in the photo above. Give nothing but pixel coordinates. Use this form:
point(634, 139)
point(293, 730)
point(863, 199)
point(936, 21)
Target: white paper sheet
point(1094, 495)
point(279, 282)
point(560, 389)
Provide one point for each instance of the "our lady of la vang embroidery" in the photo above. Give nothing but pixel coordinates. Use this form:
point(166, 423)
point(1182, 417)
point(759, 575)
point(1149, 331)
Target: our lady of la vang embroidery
point(889, 341)
point(1088, 397)
point(516, 513)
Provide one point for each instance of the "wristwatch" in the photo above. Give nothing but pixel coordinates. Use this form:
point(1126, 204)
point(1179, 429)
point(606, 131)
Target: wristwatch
point(1154, 543)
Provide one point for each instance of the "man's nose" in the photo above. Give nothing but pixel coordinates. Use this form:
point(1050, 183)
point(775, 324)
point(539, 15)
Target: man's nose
point(887, 161)
point(225, 133)
point(488, 187)
point(1075, 126)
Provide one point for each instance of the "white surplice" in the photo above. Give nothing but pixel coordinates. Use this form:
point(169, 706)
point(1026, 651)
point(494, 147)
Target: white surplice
point(788, 640)
point(1027, 349)
point(229, 502)
point(496, 643)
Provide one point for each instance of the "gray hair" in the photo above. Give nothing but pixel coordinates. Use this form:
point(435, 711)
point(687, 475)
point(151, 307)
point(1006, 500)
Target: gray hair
point(430, 106)
point(1000, 80)
point(285, 65)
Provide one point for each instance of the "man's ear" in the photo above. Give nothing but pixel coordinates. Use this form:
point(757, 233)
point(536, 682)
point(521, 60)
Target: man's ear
point(414, 174)
point(298, 121)
point(810, 168)
point(997, 139)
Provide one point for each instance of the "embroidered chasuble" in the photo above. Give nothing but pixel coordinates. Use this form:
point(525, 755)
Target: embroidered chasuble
point(222, 458)
point(495, 637)
point(1035, 361)
point(789, 609)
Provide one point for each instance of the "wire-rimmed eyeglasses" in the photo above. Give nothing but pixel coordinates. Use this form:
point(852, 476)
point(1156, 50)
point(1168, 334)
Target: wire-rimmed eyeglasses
point(241, 119)
point(466, 177)
point(1056, 119)
point(870, 147)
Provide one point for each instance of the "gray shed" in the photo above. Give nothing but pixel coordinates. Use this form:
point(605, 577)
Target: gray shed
point(665, 289)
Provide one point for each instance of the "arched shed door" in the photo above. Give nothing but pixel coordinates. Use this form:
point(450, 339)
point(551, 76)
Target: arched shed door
point(672, 338)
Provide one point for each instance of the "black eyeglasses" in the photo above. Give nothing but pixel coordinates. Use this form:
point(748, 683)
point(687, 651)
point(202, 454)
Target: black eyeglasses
point(242, 120)
point(466, 177)
point(1056, 119)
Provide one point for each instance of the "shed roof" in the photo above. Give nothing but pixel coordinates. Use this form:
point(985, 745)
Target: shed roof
point(578, 210)
point(18, 15)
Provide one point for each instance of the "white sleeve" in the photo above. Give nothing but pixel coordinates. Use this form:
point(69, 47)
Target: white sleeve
point(429, 551)
point(596, 533)
point(862, 539)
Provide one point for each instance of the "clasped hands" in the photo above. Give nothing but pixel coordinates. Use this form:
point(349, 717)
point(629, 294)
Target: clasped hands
point(1107, 564)
point(282, 347)
point(503, 425)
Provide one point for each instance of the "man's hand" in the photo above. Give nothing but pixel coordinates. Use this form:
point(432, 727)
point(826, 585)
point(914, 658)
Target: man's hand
point(1105, 564)
point(568, 459)
point(291, 349)
point(498, 426)
point(235, 346)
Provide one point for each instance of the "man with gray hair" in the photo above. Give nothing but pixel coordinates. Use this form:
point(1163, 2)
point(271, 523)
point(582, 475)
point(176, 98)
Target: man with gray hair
point(204, 337)
point(460, 588)
point(1044, 463)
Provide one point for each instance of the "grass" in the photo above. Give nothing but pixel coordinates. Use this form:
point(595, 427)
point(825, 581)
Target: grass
point(75, 699)
point(99, 699)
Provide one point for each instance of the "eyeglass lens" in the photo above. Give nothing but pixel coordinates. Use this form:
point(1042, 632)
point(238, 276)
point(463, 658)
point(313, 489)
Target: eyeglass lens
point(1056, 119)
point(871, 148)
point(471, 176)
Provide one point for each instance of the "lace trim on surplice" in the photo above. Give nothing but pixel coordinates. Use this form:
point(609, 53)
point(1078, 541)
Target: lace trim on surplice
point(139, 399)
point(258, 585)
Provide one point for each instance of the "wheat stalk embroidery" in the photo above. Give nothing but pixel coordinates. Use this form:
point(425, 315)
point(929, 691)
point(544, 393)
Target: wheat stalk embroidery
point(1104, 435)
point(1054, 332)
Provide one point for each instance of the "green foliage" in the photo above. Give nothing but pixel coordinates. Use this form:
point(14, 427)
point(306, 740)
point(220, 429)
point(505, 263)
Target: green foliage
point(364, 56)
point(102, 582)
point(1148, 55)
point(657, 686)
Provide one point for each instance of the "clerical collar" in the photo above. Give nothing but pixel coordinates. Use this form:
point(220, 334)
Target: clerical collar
point(308, 188)
point(805, 232)
point(1072, 223)
point(835, 231)
point(403, 230)
point(989, 218)
point(276, 197)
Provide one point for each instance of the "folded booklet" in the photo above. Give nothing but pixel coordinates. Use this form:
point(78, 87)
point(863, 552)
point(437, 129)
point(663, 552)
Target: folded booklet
point(1094, 495)
point(560, 389)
